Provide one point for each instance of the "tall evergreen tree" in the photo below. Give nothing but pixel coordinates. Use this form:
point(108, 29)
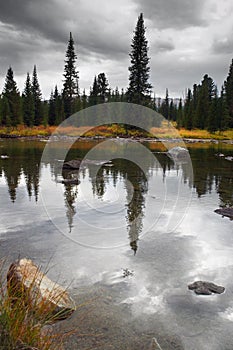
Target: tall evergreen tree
point(70, 85)
point(103, 90)
point(180, 114)
point(37, 98)
point(52, 110)
point(94, 93)
point(6, 116)
point(225, 119)
point(213, 117)
point(12, 114)
point(229, 93)
point(139, 87)
point(28, 103)
point(84, 100)
point(206, 93)
point(188, 122)
point(55, 108)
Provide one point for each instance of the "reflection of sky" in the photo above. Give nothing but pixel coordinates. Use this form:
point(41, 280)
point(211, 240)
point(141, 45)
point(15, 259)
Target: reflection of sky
point(169, 256)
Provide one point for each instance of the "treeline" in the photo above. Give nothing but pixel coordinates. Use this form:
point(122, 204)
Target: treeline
point(204, 107)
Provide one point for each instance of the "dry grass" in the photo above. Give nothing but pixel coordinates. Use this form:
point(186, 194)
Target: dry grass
point(22, 323)
point(165, 131)
point(204, 134)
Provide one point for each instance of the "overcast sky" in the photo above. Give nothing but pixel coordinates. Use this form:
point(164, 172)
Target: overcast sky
point(186, 40)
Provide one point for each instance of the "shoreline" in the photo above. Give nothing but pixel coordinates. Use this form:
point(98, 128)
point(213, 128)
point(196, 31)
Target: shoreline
point(137, 138)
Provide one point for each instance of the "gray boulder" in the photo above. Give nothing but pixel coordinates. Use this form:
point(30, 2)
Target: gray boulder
point(225, 212)
point(178, 153)
point(206, 288)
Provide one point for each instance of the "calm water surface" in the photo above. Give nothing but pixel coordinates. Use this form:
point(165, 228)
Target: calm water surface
point(155, 218)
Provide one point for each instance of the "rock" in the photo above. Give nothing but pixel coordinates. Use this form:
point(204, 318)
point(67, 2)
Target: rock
point(72, 164)
point(25, 280)
point(205, 288)
point(225, 212)
point(178, 153)
point(75, 164)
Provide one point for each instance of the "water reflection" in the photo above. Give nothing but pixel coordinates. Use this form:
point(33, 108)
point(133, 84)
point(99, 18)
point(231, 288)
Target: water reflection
point(22, 168)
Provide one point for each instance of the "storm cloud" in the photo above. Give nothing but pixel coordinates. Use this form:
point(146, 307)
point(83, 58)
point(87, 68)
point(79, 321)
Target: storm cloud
point(177, 14)
point(186, 40)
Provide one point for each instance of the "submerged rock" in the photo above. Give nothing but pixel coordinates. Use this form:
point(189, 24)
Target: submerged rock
point(225, 212)
point(75, 164)
point(206, 288)
point(72, 164)
point(25, 280)
point(178, 153)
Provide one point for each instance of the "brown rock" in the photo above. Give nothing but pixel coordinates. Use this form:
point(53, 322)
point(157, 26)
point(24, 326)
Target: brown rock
point(25, 280)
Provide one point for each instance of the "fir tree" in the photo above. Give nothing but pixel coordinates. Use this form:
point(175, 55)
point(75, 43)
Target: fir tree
point(172, 111)
point(70, 86)
point(166, 106)
point(55, 108)
point(94, 93)
point(212, 121)
point(52, 110)
point(225, 119)
point(229, 93)
point(6, 118)
point(206, 93)
point(84, 100)
point(12, 114)
point(188, 122)
point(36, 92)
point(139, 88)
point(28, 104)
point(180, 114)
point(102, 84)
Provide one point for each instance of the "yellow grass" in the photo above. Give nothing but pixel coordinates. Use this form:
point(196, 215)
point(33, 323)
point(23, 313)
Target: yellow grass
point(21, 322)
point(165, 131)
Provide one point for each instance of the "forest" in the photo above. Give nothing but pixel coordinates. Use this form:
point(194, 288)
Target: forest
point(204, 107)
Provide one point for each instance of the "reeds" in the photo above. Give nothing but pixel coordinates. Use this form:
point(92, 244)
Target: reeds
point(24, 324)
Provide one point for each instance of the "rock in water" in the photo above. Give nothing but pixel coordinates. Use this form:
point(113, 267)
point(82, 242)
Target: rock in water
point(178, 153)
point(25, 280)
point(72, 164)
point(206, 288)
point(225, 212)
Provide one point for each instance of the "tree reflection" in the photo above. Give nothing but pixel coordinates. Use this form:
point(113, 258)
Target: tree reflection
point(211, 173)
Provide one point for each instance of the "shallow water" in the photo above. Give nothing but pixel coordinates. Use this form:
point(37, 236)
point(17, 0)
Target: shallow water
point(135, 209)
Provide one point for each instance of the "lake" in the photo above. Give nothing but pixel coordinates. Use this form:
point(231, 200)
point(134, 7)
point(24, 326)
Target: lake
point(129, 210)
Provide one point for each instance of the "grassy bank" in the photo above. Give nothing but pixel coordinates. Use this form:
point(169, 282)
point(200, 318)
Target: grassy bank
point(25, 322)
point(112, 131)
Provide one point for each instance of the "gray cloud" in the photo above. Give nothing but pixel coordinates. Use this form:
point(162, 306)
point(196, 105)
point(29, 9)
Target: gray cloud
point(54, 19)
point(176, 14)
point(223, 46)
point(163, 46)
point(37, 32)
